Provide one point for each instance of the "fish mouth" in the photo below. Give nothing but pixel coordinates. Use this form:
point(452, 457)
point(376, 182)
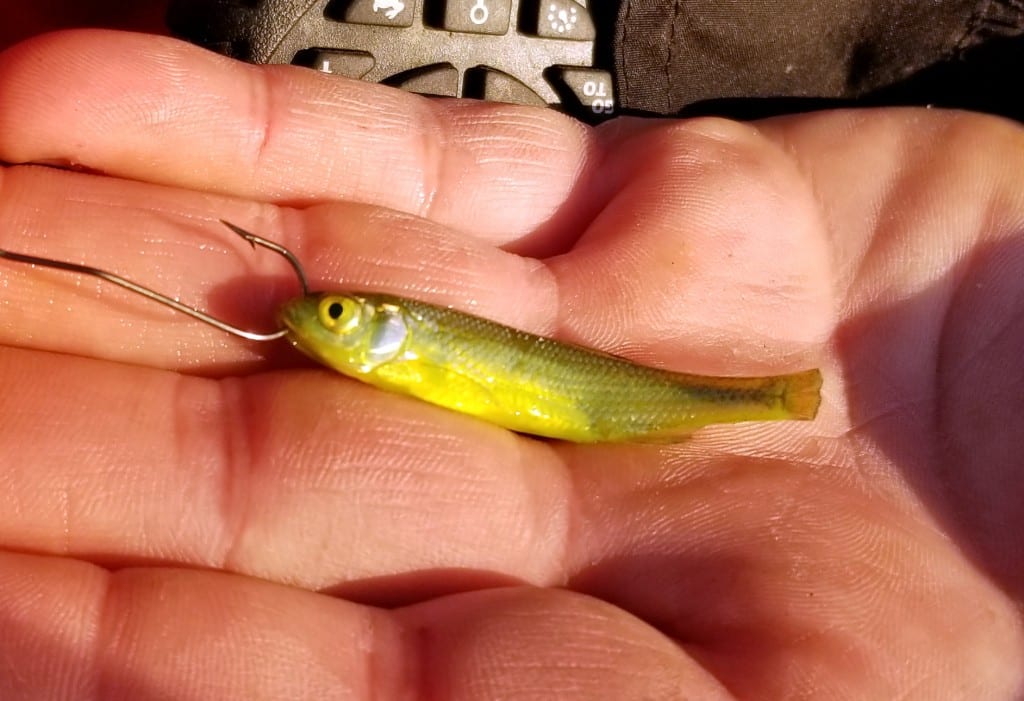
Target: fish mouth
point(295, 313)
point(296, 316)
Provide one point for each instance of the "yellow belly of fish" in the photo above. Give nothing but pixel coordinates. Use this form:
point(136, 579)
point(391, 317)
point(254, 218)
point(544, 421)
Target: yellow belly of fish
point(522, 406)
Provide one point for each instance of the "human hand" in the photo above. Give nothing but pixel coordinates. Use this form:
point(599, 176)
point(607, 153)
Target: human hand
point(185, 515)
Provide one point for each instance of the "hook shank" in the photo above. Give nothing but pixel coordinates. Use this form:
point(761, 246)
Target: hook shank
point(168, 301)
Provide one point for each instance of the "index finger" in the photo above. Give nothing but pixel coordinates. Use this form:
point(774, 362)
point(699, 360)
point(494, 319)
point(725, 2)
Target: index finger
point(156, 109)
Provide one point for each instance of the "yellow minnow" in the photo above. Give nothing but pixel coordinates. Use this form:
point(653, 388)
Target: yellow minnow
point(525, 382)
point(518, 380)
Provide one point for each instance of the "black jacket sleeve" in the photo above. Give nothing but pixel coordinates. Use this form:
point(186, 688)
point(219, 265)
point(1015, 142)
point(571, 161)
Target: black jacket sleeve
point(755, 57)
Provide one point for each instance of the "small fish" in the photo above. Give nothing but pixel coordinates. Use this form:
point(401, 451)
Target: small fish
point(523, 382)
point(518, 380)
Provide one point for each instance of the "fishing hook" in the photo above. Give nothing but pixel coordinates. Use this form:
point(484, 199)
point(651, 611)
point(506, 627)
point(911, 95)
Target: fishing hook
point(253, 240)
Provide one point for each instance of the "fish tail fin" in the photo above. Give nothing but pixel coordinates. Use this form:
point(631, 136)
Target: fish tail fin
point(801, 394)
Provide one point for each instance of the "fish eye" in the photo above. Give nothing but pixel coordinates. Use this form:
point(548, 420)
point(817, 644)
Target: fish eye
point(338, 313)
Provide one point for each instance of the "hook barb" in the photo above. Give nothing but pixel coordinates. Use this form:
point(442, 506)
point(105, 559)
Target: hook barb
point(155, 296)
point(277, 248)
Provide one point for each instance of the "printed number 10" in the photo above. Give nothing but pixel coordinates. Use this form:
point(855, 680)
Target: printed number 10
point(601, 104)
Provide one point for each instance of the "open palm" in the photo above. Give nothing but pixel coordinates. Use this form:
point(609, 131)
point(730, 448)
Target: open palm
point(185, 515)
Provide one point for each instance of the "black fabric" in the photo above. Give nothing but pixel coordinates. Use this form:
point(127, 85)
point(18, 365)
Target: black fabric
point(748, 58)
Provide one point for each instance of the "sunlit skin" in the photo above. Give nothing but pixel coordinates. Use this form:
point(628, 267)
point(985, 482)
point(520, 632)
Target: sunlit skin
point(188, 515)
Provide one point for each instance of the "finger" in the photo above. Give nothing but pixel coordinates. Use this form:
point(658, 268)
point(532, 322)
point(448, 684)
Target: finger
point(75, 631)
point(688, 283)
point(169, 240)
point(530, 643)
point(160, 110)
point(302, 478)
